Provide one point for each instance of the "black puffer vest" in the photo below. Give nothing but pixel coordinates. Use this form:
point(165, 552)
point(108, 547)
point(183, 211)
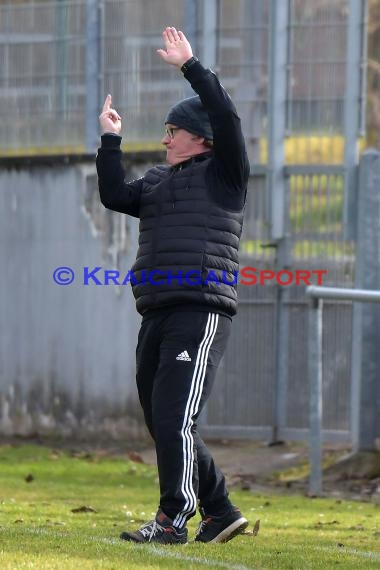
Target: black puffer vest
point(186, 238)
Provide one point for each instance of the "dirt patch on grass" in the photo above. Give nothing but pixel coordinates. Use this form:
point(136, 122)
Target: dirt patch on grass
point(253, 466)
point(258, 467)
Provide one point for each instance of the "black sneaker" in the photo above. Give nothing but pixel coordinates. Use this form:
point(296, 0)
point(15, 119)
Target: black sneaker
point(221, 528)
point(160, 530)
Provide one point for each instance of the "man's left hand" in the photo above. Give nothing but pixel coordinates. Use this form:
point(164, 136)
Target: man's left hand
point(177, 48)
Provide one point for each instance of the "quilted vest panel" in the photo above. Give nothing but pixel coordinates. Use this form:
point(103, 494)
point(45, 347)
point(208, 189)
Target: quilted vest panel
point(188, 244)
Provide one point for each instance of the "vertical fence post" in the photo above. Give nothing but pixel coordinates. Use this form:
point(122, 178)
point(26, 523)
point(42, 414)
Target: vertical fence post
point(277, 188)
point(366, 319)
point(248, 93)
point(352, 107)
point(62, 94)
point(209, 33)
point(276, 115)
point(283, 262)
point(92, 73)
point(190, 29)
point(315, 384)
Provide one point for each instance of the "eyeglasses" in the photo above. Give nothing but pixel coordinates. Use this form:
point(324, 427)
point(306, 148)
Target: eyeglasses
point(170, 131)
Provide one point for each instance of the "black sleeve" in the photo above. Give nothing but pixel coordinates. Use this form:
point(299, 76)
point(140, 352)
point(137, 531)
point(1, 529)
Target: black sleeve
point(231, 158)
point(115, 193)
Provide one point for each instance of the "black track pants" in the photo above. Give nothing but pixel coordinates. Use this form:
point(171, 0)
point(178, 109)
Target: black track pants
point(177, 356)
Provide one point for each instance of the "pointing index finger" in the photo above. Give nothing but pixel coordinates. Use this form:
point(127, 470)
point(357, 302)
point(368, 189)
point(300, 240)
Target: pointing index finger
point(107, 103)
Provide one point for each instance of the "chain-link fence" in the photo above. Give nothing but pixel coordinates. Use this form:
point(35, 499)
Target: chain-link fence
point(58, 60)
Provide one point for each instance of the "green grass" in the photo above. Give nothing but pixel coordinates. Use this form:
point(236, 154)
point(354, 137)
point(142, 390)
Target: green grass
point(39, 530)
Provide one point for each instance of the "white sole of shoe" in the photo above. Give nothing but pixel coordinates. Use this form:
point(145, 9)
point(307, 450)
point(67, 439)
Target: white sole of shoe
point(237, 527)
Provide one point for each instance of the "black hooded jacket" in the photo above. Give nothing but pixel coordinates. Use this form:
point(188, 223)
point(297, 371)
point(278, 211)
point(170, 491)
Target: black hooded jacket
point(191, 214)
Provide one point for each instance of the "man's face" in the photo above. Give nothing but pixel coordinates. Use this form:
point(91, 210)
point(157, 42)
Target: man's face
point(181, 145)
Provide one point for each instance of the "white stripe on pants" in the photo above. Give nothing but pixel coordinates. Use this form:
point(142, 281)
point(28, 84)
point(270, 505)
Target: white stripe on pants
point(191, 409)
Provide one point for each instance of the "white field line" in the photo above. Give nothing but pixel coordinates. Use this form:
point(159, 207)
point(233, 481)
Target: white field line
point(341, 550)
point(157, 551)
point(205, 561)
point(167, 553)
point(353, 551)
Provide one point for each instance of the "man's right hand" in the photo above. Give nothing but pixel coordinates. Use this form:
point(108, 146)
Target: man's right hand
point(110, 120)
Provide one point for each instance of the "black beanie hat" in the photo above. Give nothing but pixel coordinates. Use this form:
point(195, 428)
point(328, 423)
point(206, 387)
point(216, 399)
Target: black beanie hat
point(190, 114)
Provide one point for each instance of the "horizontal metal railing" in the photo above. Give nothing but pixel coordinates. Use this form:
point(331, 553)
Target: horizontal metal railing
point(317, 294)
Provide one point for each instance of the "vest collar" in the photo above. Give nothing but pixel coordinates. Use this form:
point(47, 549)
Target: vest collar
point(192, 160)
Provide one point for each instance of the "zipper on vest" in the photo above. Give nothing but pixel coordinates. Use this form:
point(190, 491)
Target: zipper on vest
point(171, 189)
point(171, 186)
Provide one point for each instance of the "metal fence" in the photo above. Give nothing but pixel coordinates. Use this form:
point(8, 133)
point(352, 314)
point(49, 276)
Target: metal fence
point(298, 217)
point(263, 383)
point(362, 439)
point(42, 85)
point(58, 59)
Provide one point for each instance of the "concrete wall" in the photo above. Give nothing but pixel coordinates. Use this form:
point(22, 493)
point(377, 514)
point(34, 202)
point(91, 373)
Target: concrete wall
point(66, 352)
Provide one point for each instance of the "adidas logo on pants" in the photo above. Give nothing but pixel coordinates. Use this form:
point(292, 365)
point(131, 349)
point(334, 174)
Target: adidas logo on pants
point(184, 356)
